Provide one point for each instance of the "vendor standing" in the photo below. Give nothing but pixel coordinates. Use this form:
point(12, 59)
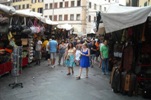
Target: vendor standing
point(38, 49)
point(105, 57)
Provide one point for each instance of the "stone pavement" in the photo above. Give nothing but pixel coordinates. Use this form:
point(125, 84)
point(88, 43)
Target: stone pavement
point(45, 83)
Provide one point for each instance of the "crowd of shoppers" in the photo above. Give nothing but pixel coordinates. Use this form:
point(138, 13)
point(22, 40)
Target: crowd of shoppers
point(82, 52)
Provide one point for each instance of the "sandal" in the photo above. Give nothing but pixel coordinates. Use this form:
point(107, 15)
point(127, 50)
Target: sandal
point(72, 72)
point(78, 78)
point(68, 74)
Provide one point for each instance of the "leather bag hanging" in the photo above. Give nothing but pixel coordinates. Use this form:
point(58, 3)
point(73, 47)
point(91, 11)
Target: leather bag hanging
point(26, 29)
point(15, 25)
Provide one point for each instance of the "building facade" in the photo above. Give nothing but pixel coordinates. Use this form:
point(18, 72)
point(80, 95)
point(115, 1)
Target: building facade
point(138, 3)
point(142, 3)
point(6, 2)
point(21, 4)
point(35, 5)
point(78, 13)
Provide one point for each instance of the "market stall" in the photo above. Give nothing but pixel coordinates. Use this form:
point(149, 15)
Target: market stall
point(130, 48)
point(20, 28)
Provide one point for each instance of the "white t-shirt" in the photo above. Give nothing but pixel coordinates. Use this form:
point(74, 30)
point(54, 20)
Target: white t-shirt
point(77, 55)
point(39, 45)
point(101, 44)
point(47, 49)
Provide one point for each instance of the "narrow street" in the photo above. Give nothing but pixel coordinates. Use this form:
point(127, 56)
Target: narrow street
point(44, 83)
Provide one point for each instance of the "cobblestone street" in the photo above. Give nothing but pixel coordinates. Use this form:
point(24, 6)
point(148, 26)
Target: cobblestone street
point(44, 83)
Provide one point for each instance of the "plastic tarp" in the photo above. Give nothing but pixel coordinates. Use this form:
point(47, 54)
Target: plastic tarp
point(121, 17)
point(7, 9)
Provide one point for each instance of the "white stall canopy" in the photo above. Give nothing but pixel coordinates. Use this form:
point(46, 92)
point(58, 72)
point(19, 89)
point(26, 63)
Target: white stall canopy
point(65, 26)
point(7, 9)
point(121, 17)
point(28, 13)
point(49, 22)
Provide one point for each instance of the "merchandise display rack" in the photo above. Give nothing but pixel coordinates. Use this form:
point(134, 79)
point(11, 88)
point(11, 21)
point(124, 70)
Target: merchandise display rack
point(17, 69)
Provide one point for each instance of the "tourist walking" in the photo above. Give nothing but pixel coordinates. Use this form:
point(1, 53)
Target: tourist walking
point(84, 60)
point(77, 55)
point(53, 50)
point(70, 58)
point(62, 48)
point(92, 53)
point(105, 57)
point(48, 52)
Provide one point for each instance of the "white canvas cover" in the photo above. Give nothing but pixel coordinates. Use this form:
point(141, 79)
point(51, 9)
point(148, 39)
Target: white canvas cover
point(121, 17)
point(49, 22)
point(7, 9)
point(65, 26)
point(28, 13)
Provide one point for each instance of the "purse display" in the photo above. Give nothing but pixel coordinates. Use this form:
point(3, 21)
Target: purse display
point(26, 29)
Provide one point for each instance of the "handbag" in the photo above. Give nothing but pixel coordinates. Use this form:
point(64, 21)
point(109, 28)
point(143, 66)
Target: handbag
point(67, 57)
point(26, 29)
point(15, 25)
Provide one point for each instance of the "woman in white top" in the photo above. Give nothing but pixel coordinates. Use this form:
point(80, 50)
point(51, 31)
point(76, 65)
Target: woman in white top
point(77, 55)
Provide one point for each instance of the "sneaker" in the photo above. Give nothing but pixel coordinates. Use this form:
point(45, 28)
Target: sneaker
point(103, 73)
point(53, 66)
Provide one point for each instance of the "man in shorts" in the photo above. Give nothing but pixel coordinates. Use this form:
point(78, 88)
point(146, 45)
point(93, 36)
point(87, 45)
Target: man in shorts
point(53, 50)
